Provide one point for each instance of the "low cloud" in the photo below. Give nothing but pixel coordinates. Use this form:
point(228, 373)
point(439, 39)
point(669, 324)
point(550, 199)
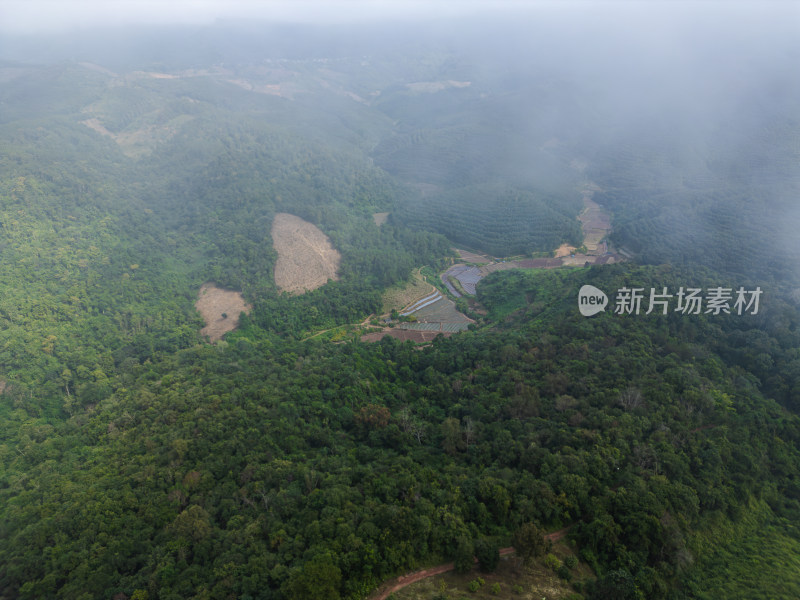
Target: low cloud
point(40, 16)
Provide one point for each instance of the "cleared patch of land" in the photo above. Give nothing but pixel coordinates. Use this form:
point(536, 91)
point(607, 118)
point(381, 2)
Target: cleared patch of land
point(596, 223)
point(220, 310)
point(306, 258)
point(418, 337)
point(564, 250)
point(466, 276)
point(534, 586)
point(397, 298)
point(380, 218)
point(431, 87)
point(142, 140)
point(432, 314)
point(284, 89)
point(439, 315)
point(512, 578)
point(472, 257)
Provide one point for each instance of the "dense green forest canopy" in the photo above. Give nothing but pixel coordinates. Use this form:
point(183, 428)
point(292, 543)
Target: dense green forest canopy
point(138, 461)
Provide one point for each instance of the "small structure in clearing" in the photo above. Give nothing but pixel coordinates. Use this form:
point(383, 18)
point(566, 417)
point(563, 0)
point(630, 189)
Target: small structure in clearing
point(564, 250)
point(306, 258)
point(220, 310)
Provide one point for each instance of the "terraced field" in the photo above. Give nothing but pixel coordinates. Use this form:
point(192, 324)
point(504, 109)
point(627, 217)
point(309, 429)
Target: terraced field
point(440, 315)
point(431, 298)
point(403, 297)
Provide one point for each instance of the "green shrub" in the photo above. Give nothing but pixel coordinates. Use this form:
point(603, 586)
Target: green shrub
point(495, 588)
point(517, 589)
point(551, 562)
point(571, 561)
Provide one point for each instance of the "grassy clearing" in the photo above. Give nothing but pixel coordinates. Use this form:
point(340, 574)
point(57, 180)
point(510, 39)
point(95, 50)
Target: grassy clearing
point(398, 297)
point(756, 557)
point(340, 334)
point(511, 580)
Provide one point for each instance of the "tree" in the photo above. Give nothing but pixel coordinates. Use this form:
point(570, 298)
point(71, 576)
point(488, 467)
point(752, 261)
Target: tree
point(464, 555)
point(373, 416)
point(319, 579)
point(451, 435)
point(529, 542)
point(488, 555)
point(617, 585)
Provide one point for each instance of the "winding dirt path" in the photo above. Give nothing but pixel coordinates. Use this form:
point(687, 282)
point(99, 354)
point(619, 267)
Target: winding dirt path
point(393, 585)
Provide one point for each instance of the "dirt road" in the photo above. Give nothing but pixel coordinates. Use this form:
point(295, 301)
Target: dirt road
point(399, 583)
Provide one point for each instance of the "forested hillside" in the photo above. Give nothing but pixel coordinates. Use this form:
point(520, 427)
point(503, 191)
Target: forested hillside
point(139, 461)
point(256, 467)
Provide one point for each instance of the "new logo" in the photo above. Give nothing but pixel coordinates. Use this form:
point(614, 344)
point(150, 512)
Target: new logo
point(591, 300)
point(689, 301)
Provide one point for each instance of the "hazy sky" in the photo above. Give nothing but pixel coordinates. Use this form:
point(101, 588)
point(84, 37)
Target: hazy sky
point(35, 16)
point(26, 16)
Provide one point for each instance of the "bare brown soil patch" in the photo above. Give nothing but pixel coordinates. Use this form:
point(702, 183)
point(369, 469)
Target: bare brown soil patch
point(98, 127)
point(564, 250)
point(97, 68)
point(418, 337)
point(212, 303)
point(284, 90)
point(431, 87)
point(595, 222)
point(473, 257)
point(140, 141)
point(154, 75)
point(380, 218)
point(306, 258)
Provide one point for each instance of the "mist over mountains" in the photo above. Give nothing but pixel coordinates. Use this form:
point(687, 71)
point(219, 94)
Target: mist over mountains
point(144, 163)
point(699, 98)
